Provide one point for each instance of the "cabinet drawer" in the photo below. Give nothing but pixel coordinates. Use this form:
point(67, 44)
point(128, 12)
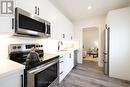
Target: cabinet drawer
point(61, 57)
point(61, 76)
point(61, 67)
point(61, 60)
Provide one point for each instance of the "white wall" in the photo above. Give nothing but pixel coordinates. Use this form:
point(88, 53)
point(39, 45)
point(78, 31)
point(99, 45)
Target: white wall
point(119, 23)
point(90, 22)
point(59, 23)
point(49, 45)
point(90, 38)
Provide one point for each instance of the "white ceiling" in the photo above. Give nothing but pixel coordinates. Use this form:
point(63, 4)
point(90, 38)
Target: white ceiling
point(78, 9)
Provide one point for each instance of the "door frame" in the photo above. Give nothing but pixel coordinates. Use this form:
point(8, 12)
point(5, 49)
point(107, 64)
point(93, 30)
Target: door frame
point(100, 61)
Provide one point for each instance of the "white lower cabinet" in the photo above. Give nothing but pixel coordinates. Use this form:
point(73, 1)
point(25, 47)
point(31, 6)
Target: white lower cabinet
point(62, 67)
point(71, 61)
point(12, 80)
point(66, 63)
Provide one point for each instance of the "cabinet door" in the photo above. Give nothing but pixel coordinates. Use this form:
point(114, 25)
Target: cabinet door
point(67, 64)
point(61, 68)
point(36, 7)
point(72, 60)
point(61, 71)
point(61, 64)
point(27, 5)
point(6, 21)
point(41, 9)
point(14, 80)
point(6, 25)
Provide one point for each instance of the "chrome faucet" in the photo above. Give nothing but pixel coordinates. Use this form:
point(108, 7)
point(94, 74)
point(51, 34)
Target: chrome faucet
point(59, 44)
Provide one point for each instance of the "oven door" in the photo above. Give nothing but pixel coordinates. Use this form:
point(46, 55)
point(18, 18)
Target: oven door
point(45, 75)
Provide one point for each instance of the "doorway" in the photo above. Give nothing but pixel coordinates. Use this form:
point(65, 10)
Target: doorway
point(90, 44)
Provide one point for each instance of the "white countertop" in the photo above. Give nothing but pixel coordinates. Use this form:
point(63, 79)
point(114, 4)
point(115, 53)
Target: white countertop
point(64, 51)
point(8, 67)
point(49, 56)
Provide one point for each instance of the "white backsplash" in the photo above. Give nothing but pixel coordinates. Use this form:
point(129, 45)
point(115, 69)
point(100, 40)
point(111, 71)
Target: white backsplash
point(50, 45)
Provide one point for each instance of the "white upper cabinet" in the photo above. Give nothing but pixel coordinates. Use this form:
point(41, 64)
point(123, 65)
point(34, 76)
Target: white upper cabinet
point(6, 25)
point(31, 6)
point(27, 5)
point(61, 26)
point(36, 7)
point(6, 20)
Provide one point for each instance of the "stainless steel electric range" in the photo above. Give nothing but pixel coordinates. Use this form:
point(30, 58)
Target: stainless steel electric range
point(38, 72)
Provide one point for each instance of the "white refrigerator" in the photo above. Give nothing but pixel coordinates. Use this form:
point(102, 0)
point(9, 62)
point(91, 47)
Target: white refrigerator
point(117, 44)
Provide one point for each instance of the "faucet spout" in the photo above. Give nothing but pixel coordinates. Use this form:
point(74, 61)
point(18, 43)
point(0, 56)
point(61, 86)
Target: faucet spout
point(59, 44)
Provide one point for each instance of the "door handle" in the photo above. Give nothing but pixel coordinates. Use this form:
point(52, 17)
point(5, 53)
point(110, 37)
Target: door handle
point(35, 9)
point(61, 61)
point(105, 61)
point(38, 11)
point(13, 23)
point(61, 73)
point(61, 57)
point(70, 55)
point(22, 84)
point(105, 53)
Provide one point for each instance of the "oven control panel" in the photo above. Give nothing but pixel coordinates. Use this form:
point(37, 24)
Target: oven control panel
point(24, 47)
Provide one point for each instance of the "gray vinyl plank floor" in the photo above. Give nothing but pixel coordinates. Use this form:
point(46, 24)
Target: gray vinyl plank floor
point(89, 74)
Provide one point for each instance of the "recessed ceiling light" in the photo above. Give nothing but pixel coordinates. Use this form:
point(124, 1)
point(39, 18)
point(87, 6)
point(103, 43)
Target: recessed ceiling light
point(89, 7)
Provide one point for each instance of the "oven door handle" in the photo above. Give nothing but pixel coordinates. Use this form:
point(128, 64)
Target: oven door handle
point(39, 69)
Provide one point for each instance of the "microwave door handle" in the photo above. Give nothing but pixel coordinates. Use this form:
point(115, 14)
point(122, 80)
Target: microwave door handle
point(46, 29)
point(39, 69)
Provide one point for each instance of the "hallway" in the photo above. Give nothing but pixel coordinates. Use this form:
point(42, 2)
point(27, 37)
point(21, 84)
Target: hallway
point(89, 75)
point(90, 58)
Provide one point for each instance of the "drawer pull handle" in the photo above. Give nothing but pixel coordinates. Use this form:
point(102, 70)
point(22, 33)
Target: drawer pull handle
point(61, 73)
point(61, 61)
point(22, 84)
point(35, 9)
point(61, 57)
point(70, 55)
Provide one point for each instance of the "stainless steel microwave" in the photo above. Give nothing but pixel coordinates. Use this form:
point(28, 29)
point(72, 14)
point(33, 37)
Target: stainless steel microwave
point(28, 24)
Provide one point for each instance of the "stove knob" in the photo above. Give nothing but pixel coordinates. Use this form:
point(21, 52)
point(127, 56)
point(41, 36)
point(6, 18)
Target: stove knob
point(14, 47)
point(19, 47)
point(41, 45)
